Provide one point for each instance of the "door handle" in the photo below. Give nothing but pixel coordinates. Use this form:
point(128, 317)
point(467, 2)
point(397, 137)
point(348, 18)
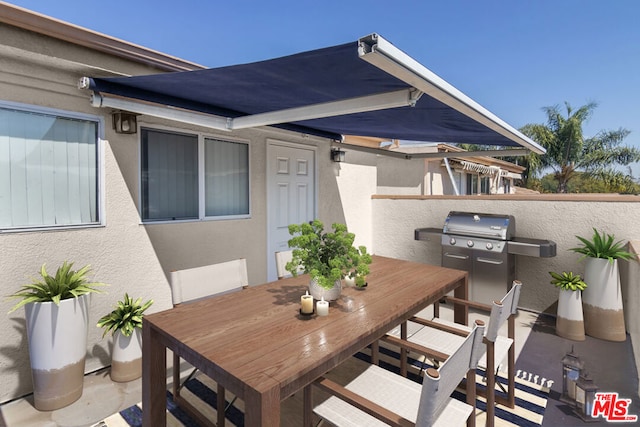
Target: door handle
point(448, 255)
point(490, 261)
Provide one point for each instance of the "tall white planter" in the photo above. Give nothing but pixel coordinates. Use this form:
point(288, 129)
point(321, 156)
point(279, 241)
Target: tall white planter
point(570, 319)
point(57, 337)
point(126, 357)
point(602, 300)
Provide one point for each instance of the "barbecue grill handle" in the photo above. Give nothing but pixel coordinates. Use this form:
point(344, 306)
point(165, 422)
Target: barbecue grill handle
point(448, 255)
point(490, 261)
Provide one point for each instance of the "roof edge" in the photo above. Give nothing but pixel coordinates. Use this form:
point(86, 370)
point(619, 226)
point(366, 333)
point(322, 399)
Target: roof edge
point(55, 28)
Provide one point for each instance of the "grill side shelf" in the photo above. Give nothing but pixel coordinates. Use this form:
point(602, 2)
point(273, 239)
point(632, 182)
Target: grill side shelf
point(427, 233)
point(532, 247)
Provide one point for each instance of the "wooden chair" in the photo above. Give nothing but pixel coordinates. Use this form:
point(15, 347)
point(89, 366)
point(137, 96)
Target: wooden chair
point(197, 283)
point(378, 397)
point(444, 336)
point(282, 258)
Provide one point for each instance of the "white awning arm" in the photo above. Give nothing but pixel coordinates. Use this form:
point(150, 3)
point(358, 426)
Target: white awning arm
point(399, 98)
point(161, 111)
point(379, 52)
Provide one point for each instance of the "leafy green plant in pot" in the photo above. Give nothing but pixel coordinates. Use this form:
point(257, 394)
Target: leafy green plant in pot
point(602, 300)
point(57, 316)
point(327, 257)
point(125, 324)
point(569, 320)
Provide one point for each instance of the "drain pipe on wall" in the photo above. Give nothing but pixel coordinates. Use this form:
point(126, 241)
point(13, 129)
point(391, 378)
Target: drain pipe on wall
point(453, 181)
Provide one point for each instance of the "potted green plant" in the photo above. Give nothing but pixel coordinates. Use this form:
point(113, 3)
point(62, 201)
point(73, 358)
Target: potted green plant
point(327, 257)
point(57, 316)
point(570, 319)
point(602, 300)
point(125, 325)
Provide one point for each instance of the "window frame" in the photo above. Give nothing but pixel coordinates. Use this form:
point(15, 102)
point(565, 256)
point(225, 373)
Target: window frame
point(202, 137)
point(100, 165)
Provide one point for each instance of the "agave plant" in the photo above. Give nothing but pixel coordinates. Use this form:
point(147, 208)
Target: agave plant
point(602, 246)
point(66, 284)
point(126, 317)
point(568, 281)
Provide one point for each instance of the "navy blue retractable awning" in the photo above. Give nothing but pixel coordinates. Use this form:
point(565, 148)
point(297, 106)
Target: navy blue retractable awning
point(430, 109)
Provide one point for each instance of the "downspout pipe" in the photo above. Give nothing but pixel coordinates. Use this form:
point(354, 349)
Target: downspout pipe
point(453, 181)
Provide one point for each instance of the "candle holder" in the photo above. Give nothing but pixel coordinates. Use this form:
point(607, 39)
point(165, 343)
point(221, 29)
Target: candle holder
point(571, 369)
point(306, 314)
point(585, 397)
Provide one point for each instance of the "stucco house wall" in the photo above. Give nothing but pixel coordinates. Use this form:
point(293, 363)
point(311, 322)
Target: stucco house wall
point(39, 70)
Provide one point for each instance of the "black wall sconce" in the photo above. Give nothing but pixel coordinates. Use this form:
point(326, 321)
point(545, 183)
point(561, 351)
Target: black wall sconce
point(124, 122)
point(337, 155)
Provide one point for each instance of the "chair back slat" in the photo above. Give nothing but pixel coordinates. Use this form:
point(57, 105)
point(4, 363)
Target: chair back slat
point(199, 282)
point(436, 391)
point(282, 258)
point(500, 311)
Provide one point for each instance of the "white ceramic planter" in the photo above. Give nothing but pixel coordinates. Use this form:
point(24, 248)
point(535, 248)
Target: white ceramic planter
point(318, 292)
point(126, 357)
point(57, 348)
point(570, 320)
point(602, 300)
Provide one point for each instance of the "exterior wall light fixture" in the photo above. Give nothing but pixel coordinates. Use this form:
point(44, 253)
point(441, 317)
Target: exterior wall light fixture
point(337, 155)
point(124, 122)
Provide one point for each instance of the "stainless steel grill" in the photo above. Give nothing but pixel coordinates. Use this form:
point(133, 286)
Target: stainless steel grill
point(485, 245)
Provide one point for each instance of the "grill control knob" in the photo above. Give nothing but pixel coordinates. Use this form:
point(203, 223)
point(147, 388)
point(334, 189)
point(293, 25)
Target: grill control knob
point(470, 243)
point(452, 241)
point(489, 246)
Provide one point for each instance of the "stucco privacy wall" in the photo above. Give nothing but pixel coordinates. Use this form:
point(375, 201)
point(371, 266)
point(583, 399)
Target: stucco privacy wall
point(557, 218)
point(630, 282)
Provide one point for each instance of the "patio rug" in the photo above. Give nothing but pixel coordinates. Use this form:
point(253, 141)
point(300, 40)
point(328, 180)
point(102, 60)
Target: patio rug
point(531, 400)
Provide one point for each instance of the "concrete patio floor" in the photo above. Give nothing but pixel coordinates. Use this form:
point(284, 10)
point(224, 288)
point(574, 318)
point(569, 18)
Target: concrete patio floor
point(538, 351)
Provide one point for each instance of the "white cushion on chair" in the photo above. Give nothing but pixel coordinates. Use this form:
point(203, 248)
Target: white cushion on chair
point(447, 343)
point(392, 391)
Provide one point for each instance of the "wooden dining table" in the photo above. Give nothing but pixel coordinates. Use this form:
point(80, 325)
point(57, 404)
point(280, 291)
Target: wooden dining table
point(258, 346)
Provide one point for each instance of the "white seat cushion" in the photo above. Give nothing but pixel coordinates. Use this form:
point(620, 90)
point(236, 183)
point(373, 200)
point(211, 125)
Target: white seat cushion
point(446, 343)
point(399, 395)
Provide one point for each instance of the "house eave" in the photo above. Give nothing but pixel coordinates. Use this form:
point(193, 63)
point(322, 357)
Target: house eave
point(51, 27)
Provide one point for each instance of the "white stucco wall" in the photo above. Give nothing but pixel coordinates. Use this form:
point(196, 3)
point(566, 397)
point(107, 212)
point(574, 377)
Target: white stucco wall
point(557, 220)
point(126, 254)
point(356, 181)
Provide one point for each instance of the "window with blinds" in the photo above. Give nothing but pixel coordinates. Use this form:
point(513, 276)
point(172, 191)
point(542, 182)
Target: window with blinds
point(191, 177)
point(48, 169)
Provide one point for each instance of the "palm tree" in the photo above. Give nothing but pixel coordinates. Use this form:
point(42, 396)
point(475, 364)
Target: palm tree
point(568, 151)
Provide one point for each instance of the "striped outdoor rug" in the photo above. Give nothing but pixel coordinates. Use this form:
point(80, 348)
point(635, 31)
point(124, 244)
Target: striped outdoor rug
point(531, 400)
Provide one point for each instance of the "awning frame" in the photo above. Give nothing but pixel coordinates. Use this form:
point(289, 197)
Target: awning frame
point(373, 49)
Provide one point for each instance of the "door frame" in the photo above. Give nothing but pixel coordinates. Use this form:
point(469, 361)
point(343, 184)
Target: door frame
point(270, 244)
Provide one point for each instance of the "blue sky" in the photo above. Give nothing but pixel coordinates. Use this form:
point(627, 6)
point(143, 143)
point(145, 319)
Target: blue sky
point(511, 56)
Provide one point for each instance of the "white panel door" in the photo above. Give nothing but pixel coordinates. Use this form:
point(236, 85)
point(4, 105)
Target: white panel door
point(291, 194)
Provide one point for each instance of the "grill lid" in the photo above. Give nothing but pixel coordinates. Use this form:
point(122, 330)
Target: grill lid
point(488, 226)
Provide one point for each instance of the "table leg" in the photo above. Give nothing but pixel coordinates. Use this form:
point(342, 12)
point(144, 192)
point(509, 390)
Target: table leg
point(262, 409)
point(154, 382)
point(307, 406)
point(461, 311)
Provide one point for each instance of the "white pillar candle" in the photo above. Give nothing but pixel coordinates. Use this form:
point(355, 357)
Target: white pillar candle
point(350, 281)
point(322, 307)
point(307, 303)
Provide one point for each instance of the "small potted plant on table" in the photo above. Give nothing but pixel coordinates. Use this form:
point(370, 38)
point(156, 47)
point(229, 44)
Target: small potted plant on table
point(327, 258)
point(125, 324)
point(569, 320)
point(602, 300)
point(57, 316)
